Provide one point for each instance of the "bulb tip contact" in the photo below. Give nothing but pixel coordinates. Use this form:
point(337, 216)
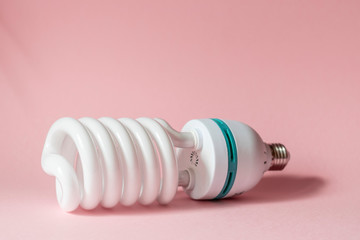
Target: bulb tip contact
point(280, 156)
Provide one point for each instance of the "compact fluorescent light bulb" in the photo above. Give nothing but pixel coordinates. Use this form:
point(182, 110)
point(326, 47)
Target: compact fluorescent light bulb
point(108, 161)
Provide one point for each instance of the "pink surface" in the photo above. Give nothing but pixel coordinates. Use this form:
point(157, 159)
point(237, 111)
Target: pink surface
point(290, 69)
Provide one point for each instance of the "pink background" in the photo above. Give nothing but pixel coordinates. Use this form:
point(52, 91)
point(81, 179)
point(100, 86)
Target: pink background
point(290, 69)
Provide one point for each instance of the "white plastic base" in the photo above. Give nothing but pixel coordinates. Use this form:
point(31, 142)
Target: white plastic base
point(208, 163)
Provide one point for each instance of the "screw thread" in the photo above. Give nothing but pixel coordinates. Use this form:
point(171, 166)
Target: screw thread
point(280, 156)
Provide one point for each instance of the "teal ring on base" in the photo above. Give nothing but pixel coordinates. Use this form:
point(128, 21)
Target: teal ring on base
point(232, 157)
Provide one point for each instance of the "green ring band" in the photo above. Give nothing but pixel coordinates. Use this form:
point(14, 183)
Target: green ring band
point(232, 158)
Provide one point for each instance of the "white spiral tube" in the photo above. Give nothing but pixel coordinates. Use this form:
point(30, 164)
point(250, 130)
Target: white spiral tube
point(107, 160)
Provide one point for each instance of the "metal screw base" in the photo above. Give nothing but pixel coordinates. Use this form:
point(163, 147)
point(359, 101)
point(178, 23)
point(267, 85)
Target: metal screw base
point(280, 156)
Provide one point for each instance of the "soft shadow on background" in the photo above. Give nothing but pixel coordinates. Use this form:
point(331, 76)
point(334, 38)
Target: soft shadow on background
point(276, 188)
point(271, 189)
